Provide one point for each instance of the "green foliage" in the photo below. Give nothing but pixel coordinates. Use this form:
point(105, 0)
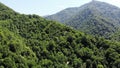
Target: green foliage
point(100, 66)
point(95, 18)
point(29, 41)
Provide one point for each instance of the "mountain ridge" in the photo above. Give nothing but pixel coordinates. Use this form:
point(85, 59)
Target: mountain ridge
point(104, 15)
point(30, 41)
point(78, 8)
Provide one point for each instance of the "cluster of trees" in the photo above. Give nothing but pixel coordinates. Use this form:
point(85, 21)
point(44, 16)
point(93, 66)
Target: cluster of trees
point(29, 41)
point(95, 18)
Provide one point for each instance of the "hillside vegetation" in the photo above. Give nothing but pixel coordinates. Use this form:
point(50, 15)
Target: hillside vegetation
point(30, 41)
point(95, 18)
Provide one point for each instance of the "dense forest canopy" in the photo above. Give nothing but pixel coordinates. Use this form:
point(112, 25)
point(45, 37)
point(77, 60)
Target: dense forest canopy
point(95, 18)
point(30, 41)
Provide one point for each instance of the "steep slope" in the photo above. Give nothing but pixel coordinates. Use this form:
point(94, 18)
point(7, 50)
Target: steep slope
point(96, 18)
point(64, 15)
point(29, 41)
point(14, 53)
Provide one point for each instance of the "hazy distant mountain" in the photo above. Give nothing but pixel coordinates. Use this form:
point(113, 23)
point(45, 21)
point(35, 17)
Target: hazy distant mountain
point(96, 18)
point(64, 15)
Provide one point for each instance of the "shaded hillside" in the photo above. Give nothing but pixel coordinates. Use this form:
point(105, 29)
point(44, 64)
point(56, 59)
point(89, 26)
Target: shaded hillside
point(29, 41)
point(96, 18)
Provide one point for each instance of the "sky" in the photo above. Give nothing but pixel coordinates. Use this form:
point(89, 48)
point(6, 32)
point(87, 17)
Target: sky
point(47, 7)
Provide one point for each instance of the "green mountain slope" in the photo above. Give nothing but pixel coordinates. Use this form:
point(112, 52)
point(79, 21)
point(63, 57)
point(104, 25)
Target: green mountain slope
point(13, 51)
point(64, 15)
point(96, 18)
point(29, 41)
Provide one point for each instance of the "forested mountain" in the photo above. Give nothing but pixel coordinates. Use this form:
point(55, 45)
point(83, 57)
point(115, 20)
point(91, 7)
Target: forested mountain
point(64, 15)
point(30, 41)
point(96, 18)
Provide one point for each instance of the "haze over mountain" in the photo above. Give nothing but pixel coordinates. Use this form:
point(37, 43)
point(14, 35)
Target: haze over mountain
point(96, 18)
point(30, 41)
